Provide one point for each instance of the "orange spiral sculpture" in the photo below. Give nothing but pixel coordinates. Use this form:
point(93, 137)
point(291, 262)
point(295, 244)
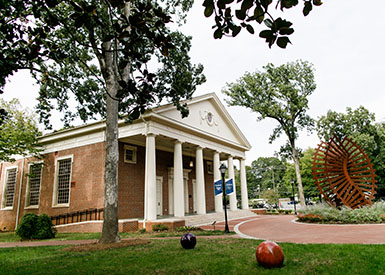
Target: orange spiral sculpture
point(343, 173)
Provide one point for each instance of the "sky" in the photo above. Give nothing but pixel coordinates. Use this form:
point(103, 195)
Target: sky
point(343, 39)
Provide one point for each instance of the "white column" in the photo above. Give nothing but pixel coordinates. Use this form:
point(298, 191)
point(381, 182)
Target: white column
point(150, 179)
point(244, 196)
point(200, 178)
point(178, 180)
point(217, 176)
point(232, 196)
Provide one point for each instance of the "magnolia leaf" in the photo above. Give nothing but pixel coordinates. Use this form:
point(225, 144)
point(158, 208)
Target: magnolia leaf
point(282, 41)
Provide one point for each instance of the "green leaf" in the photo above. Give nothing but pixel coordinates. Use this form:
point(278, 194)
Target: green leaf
point(218, 34)
point(209, 11)
point(286, 31)
point(268, 23)
point(265, 34)
point(307, 8)
point(247, 4)
point(240, 14)
point(236, 31)
point(282, 42)
point(317, 2)
point(250, 29)
point(259, 14)
point(221, 4)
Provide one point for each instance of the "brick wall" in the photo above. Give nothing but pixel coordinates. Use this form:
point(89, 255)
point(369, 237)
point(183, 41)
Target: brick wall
point(86, 183)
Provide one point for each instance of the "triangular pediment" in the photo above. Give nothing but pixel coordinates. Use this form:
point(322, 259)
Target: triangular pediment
point(208, 116)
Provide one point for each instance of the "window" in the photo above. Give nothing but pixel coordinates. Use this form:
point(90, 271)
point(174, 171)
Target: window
point(34, 182)
point(129, 154)
point(62, 182)
point(9, 187)
point(210, 167)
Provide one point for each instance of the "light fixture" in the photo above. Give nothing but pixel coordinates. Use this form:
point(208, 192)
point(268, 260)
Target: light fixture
point(223, 168)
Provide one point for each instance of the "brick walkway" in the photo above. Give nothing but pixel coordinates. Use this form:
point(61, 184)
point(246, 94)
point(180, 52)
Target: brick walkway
point(282, 228)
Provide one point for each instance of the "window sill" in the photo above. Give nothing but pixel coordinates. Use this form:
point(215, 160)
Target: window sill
point(32, 207)
point(61, 205)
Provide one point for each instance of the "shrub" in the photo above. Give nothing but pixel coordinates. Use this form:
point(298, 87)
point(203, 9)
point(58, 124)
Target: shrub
point(188, 228)
point(159, 227)
point(323, 213)
point(34, 226)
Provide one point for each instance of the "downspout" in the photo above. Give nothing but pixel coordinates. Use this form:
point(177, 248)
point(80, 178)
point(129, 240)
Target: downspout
point(19, 200)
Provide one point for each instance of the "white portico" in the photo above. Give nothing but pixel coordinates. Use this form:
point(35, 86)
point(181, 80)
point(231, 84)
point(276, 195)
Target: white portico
point(198, 143)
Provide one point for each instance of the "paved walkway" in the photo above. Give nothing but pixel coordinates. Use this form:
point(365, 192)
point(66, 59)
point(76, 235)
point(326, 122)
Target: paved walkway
point(282, 228)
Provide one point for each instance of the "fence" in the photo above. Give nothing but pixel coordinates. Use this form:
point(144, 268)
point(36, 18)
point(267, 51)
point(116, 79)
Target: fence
point(78, 216)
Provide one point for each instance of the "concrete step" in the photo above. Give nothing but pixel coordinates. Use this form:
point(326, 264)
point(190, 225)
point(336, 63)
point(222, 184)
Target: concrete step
point(197, 220)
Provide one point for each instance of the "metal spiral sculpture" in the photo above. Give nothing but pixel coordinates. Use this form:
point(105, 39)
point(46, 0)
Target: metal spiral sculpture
point(343, 173)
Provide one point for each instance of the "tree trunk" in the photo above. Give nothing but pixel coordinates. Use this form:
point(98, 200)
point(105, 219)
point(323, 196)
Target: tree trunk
point(110, 232)
point(298, 175)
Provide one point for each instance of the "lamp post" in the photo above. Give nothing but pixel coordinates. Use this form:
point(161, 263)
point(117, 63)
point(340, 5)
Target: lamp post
point(292, 187)
point(223, 169)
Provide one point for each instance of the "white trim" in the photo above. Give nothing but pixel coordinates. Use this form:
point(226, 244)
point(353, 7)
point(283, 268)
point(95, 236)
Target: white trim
point(4, 187)
point(55, 187)
point(27, 190)
point(134, 153)
point(94, 133)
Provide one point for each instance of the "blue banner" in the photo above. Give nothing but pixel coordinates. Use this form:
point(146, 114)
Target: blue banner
point(229, 187)
point(218, 187)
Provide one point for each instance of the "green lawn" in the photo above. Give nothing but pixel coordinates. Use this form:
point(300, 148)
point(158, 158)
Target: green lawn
point(211, 256)
point(12, 237)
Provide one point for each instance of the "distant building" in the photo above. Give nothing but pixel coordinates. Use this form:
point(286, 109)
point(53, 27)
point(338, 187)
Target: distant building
point(167, 167)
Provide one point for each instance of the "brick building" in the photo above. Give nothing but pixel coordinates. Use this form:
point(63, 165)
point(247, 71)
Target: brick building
point(167, 167)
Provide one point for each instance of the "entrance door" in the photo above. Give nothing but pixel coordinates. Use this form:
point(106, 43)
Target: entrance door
point(194, 185)
point(159, 201)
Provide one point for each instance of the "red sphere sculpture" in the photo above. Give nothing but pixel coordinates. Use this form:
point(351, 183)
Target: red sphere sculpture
point(269, 254)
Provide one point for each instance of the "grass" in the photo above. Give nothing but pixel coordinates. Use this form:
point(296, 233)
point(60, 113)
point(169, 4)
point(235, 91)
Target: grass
point(210, 256)
point(12, 237)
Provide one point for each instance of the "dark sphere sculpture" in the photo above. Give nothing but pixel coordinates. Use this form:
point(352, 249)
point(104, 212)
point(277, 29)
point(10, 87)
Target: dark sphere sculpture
point(188, 241)
point(269, 254)
point(343, 173)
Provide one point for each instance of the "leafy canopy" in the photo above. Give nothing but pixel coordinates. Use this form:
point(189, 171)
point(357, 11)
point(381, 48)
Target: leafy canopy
point(75, 47)
point(280, 93)
point(18, 132)
point(231, 17)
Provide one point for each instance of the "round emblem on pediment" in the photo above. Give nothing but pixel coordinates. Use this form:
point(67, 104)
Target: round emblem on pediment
point(209, 118)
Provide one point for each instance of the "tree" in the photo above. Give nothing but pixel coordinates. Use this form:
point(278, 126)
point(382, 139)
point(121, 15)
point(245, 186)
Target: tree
point(266, 173)
point(19, 132)
point(231, 17)
point(305, 164)
point(280, 93)
point(101, 54)
point(271, 196)
point(360, 126)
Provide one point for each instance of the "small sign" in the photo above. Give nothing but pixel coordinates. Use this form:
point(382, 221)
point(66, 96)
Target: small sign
point(229, 186)
point(218, 187)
